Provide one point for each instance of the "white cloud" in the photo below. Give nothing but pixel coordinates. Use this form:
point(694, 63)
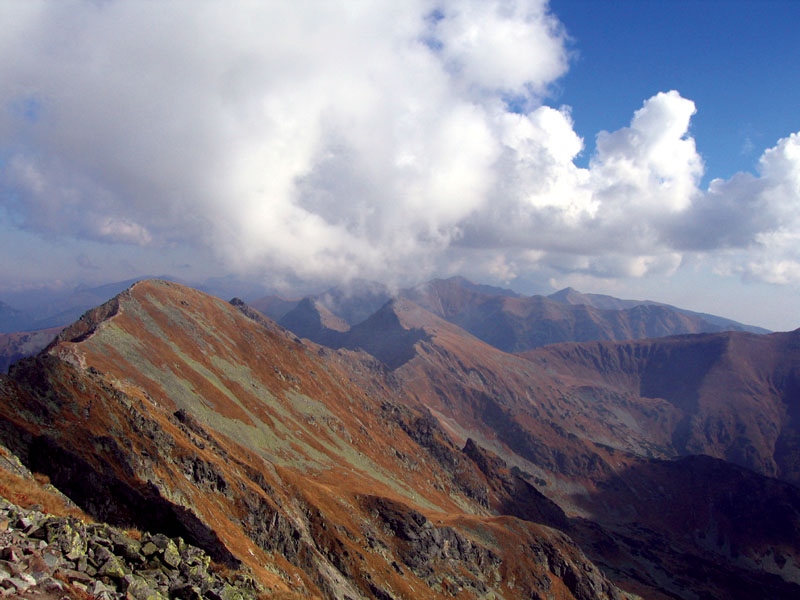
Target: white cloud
point(338, 140)
point(511, 46)
point(764, 215)
point(652, 166)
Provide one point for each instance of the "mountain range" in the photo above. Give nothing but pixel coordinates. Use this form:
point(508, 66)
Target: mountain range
point(500, 317)
point(434, 448)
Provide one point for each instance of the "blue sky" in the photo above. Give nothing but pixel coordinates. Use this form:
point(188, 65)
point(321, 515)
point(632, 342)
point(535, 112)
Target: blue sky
point(640, 149)
point(735, 58)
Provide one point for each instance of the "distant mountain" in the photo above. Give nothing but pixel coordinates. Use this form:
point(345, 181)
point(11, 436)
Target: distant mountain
point(351, 303)
point(228, 286)
point(12, 319)
point(519, 323)
point(391, 333)
point(574, 297)
point(311, 319)
point(501, 317)
point(274, 307)
point(731, 395)
point(356, 301)
point(481, 288)
point(17, 345)
point(604, 425)
point(58, 309)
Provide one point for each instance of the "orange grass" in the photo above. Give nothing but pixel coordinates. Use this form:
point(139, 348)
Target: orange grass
point(29, 492)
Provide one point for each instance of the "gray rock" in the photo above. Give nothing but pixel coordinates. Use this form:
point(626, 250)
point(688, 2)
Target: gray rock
point(51, 559)
point(101, 555)
point(186, 592)
point(11, 554)
point(82, 564)
point(75, 576)
point(139, 589)
point(48, 584)
point(171, 555)
point(113, 568)
point(98, 587)
point(149, 548)
point(15, 583)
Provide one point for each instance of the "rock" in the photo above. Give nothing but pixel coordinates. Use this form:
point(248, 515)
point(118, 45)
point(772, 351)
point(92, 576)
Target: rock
point(109, 565)
point(160, 540)
point(171, 555)
point(139, 589)
point(75, 576)
point(154, 577)
point(196, 573)
point(69, 537)
point(37, 566)
point(98, 586)
point(15, 583)
point(113, 568)
point(127, 548)
point(48, 584)
point(149, 549)
point(101, 555)
point(51, 559)
point(186, 592)
point(11, 554)
point(82, 564)
point(226, 592)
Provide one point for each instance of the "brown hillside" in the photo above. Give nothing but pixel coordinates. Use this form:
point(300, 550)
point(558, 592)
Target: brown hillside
point(172, 411)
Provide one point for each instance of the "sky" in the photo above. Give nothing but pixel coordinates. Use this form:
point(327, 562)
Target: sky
point(641, 149)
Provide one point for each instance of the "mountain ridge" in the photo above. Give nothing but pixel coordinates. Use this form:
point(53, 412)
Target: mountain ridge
point(572, 296)
point(253, 467)
point(455, 468)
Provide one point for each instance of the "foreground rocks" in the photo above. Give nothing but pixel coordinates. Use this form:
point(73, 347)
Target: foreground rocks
point(54, 557)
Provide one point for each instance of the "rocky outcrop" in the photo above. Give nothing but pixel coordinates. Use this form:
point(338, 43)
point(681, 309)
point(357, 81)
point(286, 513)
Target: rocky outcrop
point(422, 547)
point(64, 556)
point(420, 544)
point(514, 494)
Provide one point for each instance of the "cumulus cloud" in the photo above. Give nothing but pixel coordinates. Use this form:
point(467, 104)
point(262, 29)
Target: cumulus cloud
point(378, 139)
point(754, 221)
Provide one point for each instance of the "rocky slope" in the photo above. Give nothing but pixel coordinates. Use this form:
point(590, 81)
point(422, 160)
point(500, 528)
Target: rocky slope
point(604, 450)
point(303, 465)
point(48, 555)
point(737, 396)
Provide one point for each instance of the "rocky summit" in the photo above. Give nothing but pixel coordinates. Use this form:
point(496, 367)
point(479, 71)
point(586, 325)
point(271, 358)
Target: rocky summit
point(187, 447)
